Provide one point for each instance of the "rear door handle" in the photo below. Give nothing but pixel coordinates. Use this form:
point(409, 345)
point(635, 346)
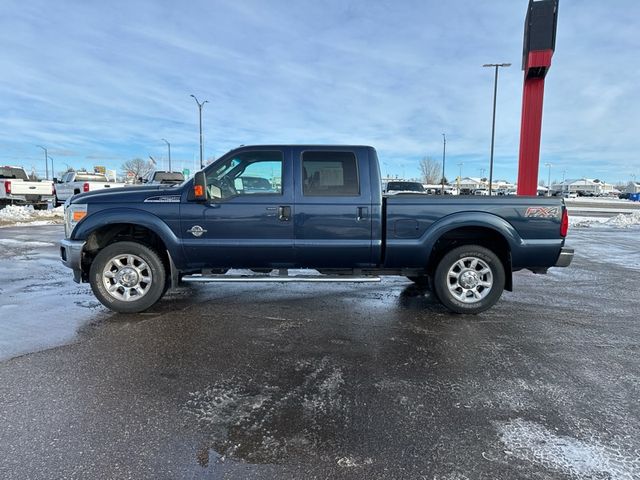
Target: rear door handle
point(362, 213)
point(284, 213)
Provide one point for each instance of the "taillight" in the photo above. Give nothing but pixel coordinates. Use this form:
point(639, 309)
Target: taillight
point(564, 224)
point(85, 187)
point(7, 187)
point(53, 189)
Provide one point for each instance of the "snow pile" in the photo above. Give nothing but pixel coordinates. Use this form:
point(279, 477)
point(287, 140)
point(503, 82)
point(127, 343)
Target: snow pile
point(15, 215)
point(622, 220)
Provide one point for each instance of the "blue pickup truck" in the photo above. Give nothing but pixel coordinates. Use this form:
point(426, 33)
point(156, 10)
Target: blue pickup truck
point(268, 209)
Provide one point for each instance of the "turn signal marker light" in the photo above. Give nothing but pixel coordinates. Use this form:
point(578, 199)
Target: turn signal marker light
point(77, 216)
point(198, 190)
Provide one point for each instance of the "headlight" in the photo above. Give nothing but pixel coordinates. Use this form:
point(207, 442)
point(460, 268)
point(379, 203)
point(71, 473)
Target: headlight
point(72, 215)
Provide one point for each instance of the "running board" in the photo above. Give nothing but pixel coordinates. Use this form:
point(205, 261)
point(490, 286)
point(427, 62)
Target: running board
point(275, 278)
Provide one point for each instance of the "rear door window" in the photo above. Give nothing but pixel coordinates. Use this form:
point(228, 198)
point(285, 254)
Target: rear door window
point(330, 174)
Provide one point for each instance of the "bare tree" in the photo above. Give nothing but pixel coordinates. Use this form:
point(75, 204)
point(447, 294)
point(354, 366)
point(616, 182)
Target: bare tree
point(137, 167)
point(430, 171)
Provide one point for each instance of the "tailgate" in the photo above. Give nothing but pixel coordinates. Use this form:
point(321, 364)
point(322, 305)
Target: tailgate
point(31, 188)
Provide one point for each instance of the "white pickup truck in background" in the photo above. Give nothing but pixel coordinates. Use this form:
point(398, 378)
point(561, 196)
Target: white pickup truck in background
point(17, 189)
point(73, 183)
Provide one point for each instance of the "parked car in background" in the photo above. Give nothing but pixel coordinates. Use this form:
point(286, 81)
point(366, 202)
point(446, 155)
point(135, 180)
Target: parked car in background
point(73, 183)
point(570, 195)
point(17, 189)
point(394, 188)
point(160, 177)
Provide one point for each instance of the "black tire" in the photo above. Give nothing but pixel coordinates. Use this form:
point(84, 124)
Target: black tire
point(153, 290)
point(490, 296)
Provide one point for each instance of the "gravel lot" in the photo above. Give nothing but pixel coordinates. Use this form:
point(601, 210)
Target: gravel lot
point(322, 381)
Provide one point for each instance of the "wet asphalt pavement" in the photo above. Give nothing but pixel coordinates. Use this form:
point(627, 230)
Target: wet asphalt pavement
point(323, 380)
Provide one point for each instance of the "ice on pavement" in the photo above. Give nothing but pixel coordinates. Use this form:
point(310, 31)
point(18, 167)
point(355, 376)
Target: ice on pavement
point(571, 457)
point(26, 214)
point(40, 305)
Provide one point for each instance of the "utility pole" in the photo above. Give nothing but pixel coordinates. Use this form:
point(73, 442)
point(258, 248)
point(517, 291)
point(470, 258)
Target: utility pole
point(444, 149)
point(460, 176)
point(493, 123)
point(46, 161)
point(169, 147)
point(548, 165)
point(200, 105)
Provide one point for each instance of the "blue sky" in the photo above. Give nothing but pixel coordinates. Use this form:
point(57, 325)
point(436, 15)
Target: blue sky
point(99, 83)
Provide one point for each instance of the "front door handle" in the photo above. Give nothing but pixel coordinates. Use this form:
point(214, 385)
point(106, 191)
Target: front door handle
point(362, 213)
point(284, 213)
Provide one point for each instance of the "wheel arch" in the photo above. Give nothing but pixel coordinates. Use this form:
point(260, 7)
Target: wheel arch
point(102, 229)
point(484, 229)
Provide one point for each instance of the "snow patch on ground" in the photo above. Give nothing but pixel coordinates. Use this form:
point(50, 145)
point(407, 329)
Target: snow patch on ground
point(20, 215)
point(534, 443)
point(622, 220)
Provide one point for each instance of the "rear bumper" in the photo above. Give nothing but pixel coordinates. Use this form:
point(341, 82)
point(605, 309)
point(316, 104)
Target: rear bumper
point(71, 256)
point(565, 257)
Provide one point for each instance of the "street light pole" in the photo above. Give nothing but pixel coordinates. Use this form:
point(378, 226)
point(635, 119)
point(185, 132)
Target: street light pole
point(46, 161)
point(200, 105)
point(53, 172)
point(169, 147)
point(549, 165)
point(493, 122)
point(444, 149)
point(460, 176)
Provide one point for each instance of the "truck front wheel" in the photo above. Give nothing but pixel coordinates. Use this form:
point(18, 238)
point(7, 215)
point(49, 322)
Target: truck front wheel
point(469, 279)
point(127, 277)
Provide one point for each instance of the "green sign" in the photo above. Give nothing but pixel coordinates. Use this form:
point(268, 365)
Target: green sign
point(186, 172)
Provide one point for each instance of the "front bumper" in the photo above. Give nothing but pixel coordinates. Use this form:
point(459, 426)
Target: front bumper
point(71, 256)
point(565, 257)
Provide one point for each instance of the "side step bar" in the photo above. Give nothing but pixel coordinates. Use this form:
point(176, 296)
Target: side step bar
point(278, 278)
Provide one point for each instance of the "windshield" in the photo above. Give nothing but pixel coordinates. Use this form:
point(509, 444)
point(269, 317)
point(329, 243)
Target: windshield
point(405, 186)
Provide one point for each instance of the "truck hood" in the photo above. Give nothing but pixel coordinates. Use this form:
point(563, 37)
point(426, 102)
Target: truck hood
point(127, 194)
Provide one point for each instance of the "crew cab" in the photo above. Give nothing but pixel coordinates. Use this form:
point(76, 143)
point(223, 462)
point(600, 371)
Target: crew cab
point(324, 211)
point(16, 188)
point(74, 183)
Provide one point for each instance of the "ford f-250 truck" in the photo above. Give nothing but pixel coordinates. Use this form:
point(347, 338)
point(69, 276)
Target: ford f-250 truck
point(324, 211)
point(16, 188)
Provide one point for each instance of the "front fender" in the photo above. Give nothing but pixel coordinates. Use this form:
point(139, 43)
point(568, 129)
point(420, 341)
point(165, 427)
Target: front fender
point(131, 216)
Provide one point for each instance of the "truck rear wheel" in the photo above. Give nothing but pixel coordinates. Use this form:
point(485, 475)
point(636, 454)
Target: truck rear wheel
point(469, 279)
point(127, 277)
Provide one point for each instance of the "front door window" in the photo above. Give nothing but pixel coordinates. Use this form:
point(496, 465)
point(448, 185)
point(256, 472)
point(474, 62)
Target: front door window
point(248, 173)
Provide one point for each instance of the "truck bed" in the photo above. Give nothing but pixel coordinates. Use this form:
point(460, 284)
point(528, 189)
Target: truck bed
point(413, 223)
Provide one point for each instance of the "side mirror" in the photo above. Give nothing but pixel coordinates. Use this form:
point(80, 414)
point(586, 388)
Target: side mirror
point(200, 187)
point(55, 180)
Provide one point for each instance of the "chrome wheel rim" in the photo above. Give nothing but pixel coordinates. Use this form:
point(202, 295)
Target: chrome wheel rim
point(470, 280)
point(127, 277)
